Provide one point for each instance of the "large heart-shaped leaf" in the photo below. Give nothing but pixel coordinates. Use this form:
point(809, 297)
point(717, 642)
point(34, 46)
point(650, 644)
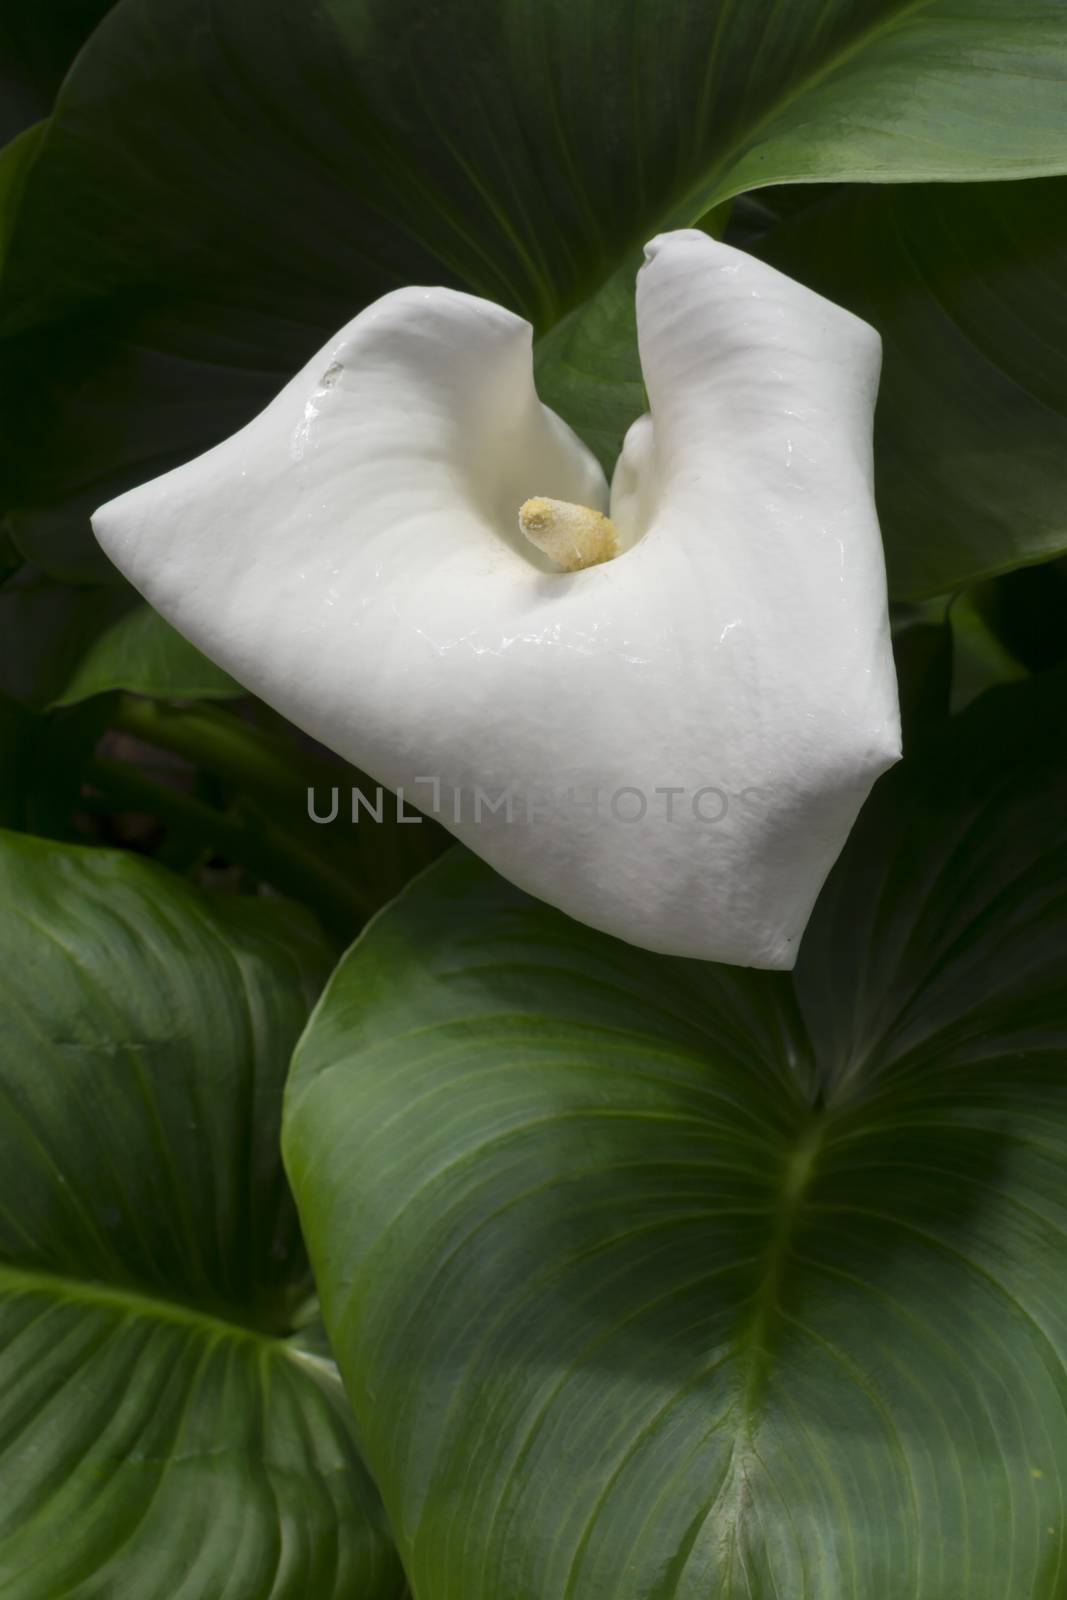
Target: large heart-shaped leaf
point(165, 1430)
point(291, 165)
point(657, 1281)
point(518, 147)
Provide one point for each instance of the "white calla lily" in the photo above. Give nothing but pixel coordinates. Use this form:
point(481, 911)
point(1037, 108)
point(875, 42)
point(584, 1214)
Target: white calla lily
point(678, 734)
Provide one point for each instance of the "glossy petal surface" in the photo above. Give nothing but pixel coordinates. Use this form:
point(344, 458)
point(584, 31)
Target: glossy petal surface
point(670, 746)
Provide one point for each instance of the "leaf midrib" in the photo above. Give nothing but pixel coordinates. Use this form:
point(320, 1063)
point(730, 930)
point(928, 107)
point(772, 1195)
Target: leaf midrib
point(136, 1303)
point(754, 1342)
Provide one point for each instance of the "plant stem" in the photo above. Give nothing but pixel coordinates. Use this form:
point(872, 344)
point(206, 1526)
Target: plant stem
point(261, 847)
point(210, 737)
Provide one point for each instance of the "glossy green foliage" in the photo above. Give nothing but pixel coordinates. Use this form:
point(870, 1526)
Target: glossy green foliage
point(170, 1422)
point(663, 1280)
point(221, 186)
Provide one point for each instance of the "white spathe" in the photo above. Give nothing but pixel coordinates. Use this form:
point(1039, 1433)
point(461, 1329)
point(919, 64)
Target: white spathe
point(353, 556)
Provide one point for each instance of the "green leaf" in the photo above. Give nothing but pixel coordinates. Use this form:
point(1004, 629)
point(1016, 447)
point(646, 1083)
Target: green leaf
point(519, 147)
point(980, 660)
point(665, 1280)
point(968, 287)
point(59, 646)
point(587, 368)
point(291, 167)
point(165, 1426)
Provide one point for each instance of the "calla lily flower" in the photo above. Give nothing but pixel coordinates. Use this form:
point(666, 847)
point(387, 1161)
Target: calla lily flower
point(659, 708)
